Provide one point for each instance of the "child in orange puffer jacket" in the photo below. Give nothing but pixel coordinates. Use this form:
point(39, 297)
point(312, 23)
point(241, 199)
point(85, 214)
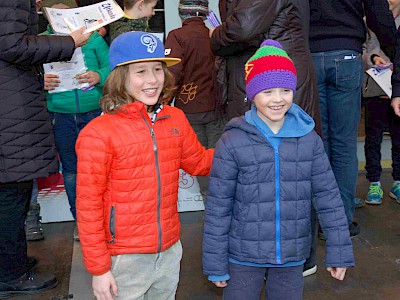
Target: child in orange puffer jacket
point(128, 171)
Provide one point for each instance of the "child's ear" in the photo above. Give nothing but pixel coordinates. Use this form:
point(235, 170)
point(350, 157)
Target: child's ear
point(140, 4)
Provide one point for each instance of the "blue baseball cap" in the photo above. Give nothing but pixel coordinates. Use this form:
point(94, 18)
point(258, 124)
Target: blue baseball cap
point(137, 46)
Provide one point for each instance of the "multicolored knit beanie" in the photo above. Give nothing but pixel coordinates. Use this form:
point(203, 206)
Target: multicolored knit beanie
point(193, 8)
point(270, 67)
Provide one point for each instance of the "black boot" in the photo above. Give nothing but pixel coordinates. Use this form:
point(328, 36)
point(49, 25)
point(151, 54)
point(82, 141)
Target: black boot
point(33, 224)
point(27, 284)
point(31, 262)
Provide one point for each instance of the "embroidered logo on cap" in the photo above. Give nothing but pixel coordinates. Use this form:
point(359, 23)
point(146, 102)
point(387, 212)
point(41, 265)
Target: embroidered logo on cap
point(150, 42)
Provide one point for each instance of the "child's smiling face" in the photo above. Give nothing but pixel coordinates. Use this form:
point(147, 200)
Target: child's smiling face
point(272, 106)
point(145, 81)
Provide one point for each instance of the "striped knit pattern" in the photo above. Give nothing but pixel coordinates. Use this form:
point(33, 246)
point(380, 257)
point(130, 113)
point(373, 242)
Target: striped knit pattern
point(270, 67)
point(195, 8)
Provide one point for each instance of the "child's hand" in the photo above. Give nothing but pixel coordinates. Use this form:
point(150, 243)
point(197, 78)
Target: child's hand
point(220, 284)
point(396, 105)
point(51, 81)
point(337, 273)
point(90, 77)
point(210, 32)
point(104, 286)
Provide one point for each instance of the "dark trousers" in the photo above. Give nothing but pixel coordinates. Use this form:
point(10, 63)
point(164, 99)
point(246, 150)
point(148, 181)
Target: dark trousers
point(312, 259)
point(208, 135)
point(246, 283)
point(14, 203)
point(379, 116)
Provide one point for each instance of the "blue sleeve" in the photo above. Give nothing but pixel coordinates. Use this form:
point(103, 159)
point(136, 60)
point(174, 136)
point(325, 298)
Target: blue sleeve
point(214, 278)
point(329, 206)
point(218, 212)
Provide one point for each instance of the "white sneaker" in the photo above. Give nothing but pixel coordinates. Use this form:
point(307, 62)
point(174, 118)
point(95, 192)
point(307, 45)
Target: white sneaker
point(310, 271)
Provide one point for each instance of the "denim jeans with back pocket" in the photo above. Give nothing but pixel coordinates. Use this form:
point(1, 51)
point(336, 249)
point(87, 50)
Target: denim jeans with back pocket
point(340, 76)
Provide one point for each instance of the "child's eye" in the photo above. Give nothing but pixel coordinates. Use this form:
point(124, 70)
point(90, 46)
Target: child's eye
point(267, 92)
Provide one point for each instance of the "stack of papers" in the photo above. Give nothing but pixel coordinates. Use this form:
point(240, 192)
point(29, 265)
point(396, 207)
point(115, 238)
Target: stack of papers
point(64, 21)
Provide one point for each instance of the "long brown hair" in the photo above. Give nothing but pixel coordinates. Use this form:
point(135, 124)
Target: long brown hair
point(115, 95)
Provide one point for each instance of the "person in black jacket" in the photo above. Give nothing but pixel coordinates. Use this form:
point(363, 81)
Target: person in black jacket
point(27, 148)
point(337, 32)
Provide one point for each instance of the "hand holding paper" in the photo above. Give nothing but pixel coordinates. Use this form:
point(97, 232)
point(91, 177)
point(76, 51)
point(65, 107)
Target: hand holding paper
point(80, 38)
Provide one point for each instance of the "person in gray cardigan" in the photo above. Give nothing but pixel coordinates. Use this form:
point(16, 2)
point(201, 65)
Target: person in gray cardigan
point(269, 169)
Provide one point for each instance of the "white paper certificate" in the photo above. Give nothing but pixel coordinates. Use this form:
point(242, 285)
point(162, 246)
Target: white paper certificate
point(383, 78)
point(64, 21)
point(67, 70)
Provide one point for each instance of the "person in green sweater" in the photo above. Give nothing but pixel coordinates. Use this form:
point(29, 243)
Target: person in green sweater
point(70, 111)
point(137, 15)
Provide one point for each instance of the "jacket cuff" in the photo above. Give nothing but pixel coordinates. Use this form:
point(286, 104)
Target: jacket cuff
point(214, 278)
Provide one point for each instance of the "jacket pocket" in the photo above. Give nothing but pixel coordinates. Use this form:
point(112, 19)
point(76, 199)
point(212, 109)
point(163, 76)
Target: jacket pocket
point(112, 225)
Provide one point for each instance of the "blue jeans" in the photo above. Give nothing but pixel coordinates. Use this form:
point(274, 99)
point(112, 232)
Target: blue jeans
point(66, 128)
point(246, 283)
point(340, 75)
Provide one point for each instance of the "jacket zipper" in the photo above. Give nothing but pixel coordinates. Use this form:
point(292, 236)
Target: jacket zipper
point(155, 149)
point(277, 198)
point(77, 101)
point(278, 208)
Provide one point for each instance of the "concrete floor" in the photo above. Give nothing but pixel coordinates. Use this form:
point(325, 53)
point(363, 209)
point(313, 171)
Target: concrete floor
point(376, 275)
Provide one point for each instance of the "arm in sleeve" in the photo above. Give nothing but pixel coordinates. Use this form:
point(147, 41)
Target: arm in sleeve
point(219, 208)
point(196, 159)
point(329, 206)
point(102, 55)
point(17, 47)
point(243, 29)
point(94, 164)
point(380, 20)
point(174, 48)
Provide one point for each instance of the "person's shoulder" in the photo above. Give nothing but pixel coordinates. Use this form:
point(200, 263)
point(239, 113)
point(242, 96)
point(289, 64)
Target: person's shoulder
point(101, 124)
point(173, 111)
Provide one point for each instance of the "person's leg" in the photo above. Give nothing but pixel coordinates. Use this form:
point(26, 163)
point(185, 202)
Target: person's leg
point(166, 268)
point(66, 129)
point(394, 129)
point(284, 283)
point(344, 79)
point(33, 225)
point(14, 201)
point(147, 276)
point(376, 120)
point(65, 135)
point(201, 132)
point(375, 123)
point(310, 266)
point(214, 131)
point(245, 283)
point(320, 69)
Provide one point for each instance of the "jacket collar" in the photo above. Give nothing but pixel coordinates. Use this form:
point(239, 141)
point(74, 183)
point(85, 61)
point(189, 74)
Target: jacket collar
point(193, 20)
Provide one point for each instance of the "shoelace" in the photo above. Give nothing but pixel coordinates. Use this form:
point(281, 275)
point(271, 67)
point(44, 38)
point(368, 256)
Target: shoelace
point(375, 190)
point(396, 187)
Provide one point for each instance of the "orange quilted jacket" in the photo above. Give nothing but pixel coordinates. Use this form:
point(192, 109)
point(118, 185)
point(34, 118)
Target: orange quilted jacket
point(127, 184)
